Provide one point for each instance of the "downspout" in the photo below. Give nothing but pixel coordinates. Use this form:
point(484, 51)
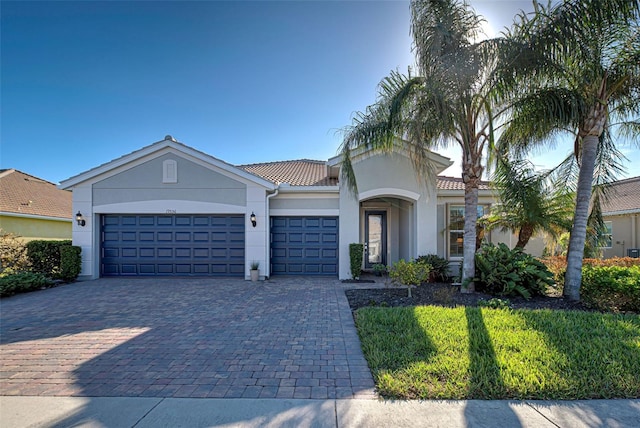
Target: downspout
point(634, 239)
point(267, 228)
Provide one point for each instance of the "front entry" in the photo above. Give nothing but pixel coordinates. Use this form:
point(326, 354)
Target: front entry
point(375, 235)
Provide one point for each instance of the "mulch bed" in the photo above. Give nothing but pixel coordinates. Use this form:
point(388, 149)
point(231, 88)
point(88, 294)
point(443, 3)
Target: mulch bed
point(450, 296)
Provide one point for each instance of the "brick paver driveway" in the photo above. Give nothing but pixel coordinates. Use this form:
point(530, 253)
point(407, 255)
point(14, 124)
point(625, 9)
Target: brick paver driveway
point(283, 338)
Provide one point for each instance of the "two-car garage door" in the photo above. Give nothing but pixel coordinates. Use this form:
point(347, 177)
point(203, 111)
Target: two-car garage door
point(166, 245)
point(213, 245)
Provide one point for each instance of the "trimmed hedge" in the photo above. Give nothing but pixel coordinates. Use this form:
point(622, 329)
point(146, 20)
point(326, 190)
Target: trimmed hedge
point(21, 282)
point(54, 259)
point(70, 262)
point(611, 288)
point(355, 259)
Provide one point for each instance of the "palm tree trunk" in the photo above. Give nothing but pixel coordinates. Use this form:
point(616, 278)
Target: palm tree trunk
point(573, 276)
point(524, 235)
point(470, 221)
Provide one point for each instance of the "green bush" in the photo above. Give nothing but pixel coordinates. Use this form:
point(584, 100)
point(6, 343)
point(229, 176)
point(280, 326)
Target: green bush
point(44, 257)
point(13, 253)
point(612, 288)
point(355, 257)
point(21, 282)
point(506, 272)
point(70, 262)
point(412, 273)
point(439, 267)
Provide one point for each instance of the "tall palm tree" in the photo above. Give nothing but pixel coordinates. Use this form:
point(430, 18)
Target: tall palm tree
point(447, 102)
point(529, 202)
point(591, 88)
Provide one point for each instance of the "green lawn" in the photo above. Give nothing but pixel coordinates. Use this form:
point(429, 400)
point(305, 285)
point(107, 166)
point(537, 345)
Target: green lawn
point(430, 352)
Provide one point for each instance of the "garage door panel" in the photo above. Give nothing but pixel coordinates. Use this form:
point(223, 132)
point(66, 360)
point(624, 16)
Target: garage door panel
point(190, 245)
point(304, 245)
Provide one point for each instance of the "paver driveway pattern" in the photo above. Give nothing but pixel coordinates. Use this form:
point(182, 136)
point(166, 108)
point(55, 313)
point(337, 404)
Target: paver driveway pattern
point(223, 338)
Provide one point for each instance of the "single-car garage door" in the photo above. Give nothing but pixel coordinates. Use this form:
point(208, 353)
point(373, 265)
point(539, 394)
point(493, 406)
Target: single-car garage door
point(166, 245)
point(304, 246)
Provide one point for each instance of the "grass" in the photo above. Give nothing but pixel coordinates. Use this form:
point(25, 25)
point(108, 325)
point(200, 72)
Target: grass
point(430, 352)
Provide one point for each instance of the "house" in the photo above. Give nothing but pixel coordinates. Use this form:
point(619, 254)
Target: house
point(621, 214)
point(33, 208)
point(168, 209)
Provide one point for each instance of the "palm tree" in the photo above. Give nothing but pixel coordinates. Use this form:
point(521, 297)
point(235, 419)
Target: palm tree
point(529, 202)
point(589, 86)
point(448, 102)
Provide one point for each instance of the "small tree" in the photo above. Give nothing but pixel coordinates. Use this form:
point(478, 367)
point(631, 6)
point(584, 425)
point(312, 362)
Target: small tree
point(411, 274)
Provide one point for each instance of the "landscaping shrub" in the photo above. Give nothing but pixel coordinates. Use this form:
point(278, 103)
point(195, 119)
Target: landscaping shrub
point(70, 262)
point(355, 257)
point(612, 288)
point(412, 273)
point(13, 253)
point(21, 282)
point(439, 267)
point(44, 256)
point(507, 272)
point(557, 265)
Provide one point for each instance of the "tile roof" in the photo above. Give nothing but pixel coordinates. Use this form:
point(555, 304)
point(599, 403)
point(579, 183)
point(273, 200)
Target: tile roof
point(306, 172)
point(455, 183)
point(623, 197)
point(301, 172)
point(22, 193)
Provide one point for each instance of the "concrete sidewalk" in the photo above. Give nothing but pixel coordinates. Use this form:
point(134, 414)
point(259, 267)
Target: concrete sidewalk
point(142, 412)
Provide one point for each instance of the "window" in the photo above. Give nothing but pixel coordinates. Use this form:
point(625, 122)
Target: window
point(606, 237)
point(456, 228)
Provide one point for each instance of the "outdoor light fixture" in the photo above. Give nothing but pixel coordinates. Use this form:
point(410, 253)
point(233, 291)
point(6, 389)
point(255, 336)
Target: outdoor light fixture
point(253, 219)
point(80, 219)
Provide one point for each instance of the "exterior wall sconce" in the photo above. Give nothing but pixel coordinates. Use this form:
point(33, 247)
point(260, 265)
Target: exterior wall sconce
point(253, 219)
point(80, 219)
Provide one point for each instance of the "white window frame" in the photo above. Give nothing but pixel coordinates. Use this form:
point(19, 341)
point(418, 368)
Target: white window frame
point(485, 209)
point(608, 235)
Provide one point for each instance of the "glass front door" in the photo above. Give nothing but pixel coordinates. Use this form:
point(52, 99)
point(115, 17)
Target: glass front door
point(375, 231)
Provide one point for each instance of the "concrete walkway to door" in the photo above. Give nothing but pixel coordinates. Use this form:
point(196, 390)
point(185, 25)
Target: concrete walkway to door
point(183, 337)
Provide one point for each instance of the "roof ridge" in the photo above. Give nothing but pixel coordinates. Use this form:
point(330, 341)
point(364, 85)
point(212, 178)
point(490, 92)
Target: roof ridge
point(280, 162)
point(13, 170)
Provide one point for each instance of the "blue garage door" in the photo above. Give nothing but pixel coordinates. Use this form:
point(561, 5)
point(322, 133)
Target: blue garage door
point(166, 245)
point(304, 246)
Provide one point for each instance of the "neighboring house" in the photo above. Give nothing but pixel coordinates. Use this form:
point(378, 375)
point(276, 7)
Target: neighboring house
point(168, 209)
point(33, 208)
point(621, 214)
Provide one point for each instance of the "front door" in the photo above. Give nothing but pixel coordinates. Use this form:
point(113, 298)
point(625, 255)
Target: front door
point(375, 234)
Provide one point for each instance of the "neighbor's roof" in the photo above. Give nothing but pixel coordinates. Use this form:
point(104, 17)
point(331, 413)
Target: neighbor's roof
point(302, 172)
point(306, 172)
point(623, 197)
point(22, 193)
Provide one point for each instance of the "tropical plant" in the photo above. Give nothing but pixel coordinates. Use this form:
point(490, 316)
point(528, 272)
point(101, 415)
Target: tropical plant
point(529, 202)
point(584, 79)
point(439, 267)
point(449, 102)
point(508, 272)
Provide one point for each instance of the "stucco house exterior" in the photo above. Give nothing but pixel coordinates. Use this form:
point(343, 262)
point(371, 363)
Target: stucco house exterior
point(168, 209)
point(621, 214)
point(33, 208)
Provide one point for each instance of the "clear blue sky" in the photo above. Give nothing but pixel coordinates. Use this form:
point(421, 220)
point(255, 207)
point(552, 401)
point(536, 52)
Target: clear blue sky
point(246, 81)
